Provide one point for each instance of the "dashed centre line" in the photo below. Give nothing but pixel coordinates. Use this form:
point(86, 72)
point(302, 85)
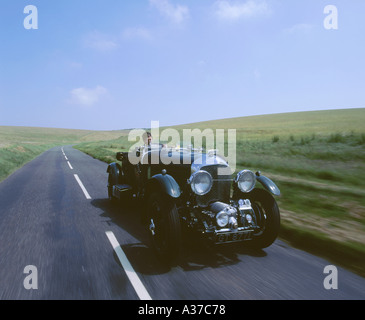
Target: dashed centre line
point(132, 275)
point(69, 164)
point(82, 187)
point(87, 195)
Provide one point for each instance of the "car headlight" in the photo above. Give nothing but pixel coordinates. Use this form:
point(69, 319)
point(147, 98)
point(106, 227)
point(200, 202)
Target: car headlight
point(201, 182)
point(246, 180)
point(222, 219)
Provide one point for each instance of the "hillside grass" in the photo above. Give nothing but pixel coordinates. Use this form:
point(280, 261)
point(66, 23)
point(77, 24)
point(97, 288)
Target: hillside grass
point(19, 145)
point(316, 159)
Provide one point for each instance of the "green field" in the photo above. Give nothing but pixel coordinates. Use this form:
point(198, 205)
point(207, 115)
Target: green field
point(316, 159)
point(19, 145)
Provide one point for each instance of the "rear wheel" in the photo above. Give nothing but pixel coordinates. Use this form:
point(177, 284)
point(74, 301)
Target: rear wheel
point(164, 227)
point(114, 171)
point(110, 189)
point(111, 183)
point(267, 216)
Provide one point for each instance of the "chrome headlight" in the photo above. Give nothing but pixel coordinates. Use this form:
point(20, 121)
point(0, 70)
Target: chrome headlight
point(246, 180)
point(222, 219)
point(201, 182)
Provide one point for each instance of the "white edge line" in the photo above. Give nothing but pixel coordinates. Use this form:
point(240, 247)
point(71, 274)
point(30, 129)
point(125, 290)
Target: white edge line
point(69, 164)
point(132, 275)
point(66, 158)
point(82, 187)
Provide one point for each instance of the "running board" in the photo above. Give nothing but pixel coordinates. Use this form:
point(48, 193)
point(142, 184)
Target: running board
point(121, 190)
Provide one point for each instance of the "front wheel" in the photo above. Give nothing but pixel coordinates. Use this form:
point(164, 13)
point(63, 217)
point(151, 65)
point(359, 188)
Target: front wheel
point(164, 227)
point(267, 216)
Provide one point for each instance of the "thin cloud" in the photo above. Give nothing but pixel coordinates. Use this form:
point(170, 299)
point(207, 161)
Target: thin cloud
point(137, 33)
point(299, 28)
point(100, 42)
point(234, 11)
point(87, 97)
point(175, 13)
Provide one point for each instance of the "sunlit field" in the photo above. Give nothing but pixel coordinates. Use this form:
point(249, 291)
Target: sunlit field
point(19, 145)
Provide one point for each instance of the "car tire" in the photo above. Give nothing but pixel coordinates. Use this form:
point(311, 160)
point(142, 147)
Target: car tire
point(267, 216)
point(164, 227)
point(112, 199)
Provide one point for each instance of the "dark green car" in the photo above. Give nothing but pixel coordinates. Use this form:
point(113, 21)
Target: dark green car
point(184, 189)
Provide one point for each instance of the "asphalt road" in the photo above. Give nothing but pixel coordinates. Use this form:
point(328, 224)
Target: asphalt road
point(48, 221)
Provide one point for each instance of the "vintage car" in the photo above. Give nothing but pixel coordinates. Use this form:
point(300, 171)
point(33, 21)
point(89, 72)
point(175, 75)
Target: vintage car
point(187, 189)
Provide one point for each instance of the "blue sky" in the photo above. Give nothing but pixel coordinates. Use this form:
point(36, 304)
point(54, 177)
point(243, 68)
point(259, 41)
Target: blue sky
point(111, 64)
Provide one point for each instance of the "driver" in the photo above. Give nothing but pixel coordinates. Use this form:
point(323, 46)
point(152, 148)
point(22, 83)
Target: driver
point(147, 139)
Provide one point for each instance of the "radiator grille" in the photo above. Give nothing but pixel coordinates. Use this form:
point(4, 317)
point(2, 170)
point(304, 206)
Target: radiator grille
point(221, 187)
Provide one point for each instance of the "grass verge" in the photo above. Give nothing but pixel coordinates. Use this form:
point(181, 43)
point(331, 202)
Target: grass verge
point(349, 255)
point(14, 157)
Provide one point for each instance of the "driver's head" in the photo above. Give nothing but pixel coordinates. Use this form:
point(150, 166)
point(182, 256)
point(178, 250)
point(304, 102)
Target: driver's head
point(147, 138)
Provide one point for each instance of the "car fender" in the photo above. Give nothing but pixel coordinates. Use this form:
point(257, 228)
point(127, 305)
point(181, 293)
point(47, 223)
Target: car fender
point(269, 185)
point(114, 171)
point(167, 184)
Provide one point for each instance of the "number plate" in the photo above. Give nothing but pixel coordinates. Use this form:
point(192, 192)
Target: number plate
point(233, 236)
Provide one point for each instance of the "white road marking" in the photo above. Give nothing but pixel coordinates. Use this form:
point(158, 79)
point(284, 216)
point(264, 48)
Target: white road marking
point(69, 164)
point(132, 275)
point(82, 187)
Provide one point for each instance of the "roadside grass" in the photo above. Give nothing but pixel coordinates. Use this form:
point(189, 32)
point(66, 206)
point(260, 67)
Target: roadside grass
point(105, 150)
point(325, 220)
point(13, 157)
point(347, 254)
point(318, 158)
point(322, 180)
